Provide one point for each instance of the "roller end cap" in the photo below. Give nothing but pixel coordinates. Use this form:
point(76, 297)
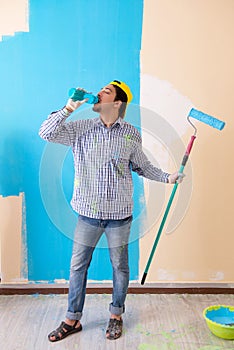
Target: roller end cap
point(143, 278)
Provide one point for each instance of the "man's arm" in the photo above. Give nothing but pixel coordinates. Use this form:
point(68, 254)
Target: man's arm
point(142, 166)
point(54, 128)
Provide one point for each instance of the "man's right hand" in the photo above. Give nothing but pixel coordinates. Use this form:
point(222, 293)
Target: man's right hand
point(71, 105)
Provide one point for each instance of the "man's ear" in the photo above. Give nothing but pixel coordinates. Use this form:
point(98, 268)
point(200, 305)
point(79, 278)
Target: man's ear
point(117, 104)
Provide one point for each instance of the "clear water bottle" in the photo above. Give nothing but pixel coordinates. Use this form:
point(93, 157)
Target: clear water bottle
point(79, 95)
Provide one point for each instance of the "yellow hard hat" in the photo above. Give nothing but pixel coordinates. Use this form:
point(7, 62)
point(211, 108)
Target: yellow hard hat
point(124, 87)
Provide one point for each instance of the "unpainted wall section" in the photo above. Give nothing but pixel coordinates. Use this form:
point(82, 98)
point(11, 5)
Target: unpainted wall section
point(187, 60)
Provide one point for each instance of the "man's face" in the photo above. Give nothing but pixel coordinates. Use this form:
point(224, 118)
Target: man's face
point(106, 98)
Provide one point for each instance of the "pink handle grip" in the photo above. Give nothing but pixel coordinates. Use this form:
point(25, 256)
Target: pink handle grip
point(190, 145)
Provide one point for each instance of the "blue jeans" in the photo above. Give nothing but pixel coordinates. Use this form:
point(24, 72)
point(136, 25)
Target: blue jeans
point(87, 234)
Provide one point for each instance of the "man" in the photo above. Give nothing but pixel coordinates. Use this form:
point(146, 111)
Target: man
point(106, 150)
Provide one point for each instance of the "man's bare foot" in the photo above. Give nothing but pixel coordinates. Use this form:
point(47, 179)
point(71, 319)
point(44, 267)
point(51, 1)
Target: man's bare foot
point(116, 317)
point(72, 322)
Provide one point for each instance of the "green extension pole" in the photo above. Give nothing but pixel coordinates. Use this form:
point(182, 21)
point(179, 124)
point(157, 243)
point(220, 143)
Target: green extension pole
point(209, 120)
point(186, 156)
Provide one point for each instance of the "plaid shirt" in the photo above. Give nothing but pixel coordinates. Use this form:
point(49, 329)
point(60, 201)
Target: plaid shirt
point(103, 160)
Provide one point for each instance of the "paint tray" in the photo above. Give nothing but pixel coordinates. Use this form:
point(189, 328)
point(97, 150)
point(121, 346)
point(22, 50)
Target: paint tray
point(220, 320)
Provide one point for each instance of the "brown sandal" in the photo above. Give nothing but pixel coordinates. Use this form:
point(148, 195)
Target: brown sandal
point(63, 331)
point(114, 329)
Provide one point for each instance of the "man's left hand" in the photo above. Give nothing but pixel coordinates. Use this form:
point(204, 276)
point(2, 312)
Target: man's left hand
point(176, 177)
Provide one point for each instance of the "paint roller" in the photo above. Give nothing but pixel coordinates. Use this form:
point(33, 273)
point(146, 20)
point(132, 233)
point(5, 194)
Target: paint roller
point(207, 119)
point(202, 117)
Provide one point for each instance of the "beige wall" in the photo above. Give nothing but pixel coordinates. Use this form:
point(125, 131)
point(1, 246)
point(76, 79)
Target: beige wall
point(189, 43)
point(13, 17)
point(11, 238)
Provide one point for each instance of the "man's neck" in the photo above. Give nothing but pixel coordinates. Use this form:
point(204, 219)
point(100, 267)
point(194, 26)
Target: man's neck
point(108, 120)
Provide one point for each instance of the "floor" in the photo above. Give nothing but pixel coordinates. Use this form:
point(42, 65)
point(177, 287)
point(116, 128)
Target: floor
point(151, 322)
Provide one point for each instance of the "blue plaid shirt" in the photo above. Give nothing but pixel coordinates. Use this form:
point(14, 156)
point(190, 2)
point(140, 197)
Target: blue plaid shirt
point(104, 159)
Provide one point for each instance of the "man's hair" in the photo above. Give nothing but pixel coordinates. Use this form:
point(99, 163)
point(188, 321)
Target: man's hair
point(121, 96)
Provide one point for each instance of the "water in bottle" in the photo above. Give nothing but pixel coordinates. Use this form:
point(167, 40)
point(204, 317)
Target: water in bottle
point(79, 95)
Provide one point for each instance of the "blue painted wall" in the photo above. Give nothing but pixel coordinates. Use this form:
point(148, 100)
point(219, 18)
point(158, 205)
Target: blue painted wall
point(70, 43)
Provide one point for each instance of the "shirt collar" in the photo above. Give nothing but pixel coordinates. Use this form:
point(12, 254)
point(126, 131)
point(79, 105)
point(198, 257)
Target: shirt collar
point(99, 122)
